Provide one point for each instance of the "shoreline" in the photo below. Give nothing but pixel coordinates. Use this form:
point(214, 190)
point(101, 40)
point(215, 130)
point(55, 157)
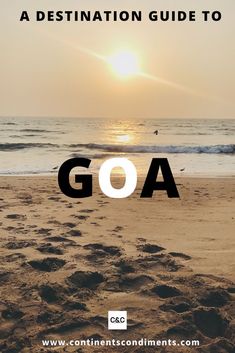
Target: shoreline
point(95, 175)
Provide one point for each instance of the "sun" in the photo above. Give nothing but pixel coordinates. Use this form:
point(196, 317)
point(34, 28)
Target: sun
point(124, 64)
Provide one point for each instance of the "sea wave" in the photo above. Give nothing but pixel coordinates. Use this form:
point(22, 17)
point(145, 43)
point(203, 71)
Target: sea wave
point(211, 149)
point(7, 123)
point(108, 148)
point(38, 130)
point(8, 147)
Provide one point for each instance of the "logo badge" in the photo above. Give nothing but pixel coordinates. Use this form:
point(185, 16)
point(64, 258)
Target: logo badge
point(117, 320)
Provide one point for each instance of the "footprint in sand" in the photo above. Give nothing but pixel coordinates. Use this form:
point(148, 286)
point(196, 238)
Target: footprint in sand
point(164, 262)
point(14, 257)
point(16, 216)
point(54, 198)
point(117, 229)
point(165, 291)
point(19, 244)
point(180, 255)
point(48, 248)
point(25, 198)
point(51, 293)
point(134, 282)
point(95, 224)
point(83, 279)
point(108, 250)
point(210, 322)
point(49, 318)
point(12, 313)
point(142, 240)
point(125, 266)
point(150, 248)
point(44, 231)
point(69, 206)
point(179, 308)
point(183, 329)
point(4, 276)
point(59, 239)
point(214, 298)
point(9, 229)
point(50, 264)
point(69, 225)
point(75, 233)
point(88, 211)
point(67, 326)
point(81, 217)
point(54, 221)
point(231, 289)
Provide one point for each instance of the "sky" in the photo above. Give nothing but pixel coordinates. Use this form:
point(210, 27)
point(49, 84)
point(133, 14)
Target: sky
point(44, 72)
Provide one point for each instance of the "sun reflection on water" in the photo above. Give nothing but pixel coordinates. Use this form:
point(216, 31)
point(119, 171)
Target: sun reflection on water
point(124, 138)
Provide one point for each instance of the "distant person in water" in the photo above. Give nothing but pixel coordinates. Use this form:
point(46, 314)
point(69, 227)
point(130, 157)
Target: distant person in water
point(156, 132)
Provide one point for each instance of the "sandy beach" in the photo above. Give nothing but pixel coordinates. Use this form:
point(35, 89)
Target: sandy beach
point(66, 262)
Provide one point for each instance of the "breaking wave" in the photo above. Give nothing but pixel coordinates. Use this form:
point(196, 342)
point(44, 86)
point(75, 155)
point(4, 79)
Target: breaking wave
point(108, 148)
point(8, 147)
point(213, 149)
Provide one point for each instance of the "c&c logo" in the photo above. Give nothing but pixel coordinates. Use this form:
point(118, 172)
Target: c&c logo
point(117, 320)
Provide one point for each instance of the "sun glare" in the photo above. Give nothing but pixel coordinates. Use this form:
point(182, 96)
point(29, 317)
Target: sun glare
point(124, 64)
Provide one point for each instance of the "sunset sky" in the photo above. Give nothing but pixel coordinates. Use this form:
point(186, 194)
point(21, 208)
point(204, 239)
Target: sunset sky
point(45, 73)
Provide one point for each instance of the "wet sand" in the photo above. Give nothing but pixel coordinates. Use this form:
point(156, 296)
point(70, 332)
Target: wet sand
point(66, 262)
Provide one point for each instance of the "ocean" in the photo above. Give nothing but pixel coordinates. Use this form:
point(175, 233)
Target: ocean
point(193, 147)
